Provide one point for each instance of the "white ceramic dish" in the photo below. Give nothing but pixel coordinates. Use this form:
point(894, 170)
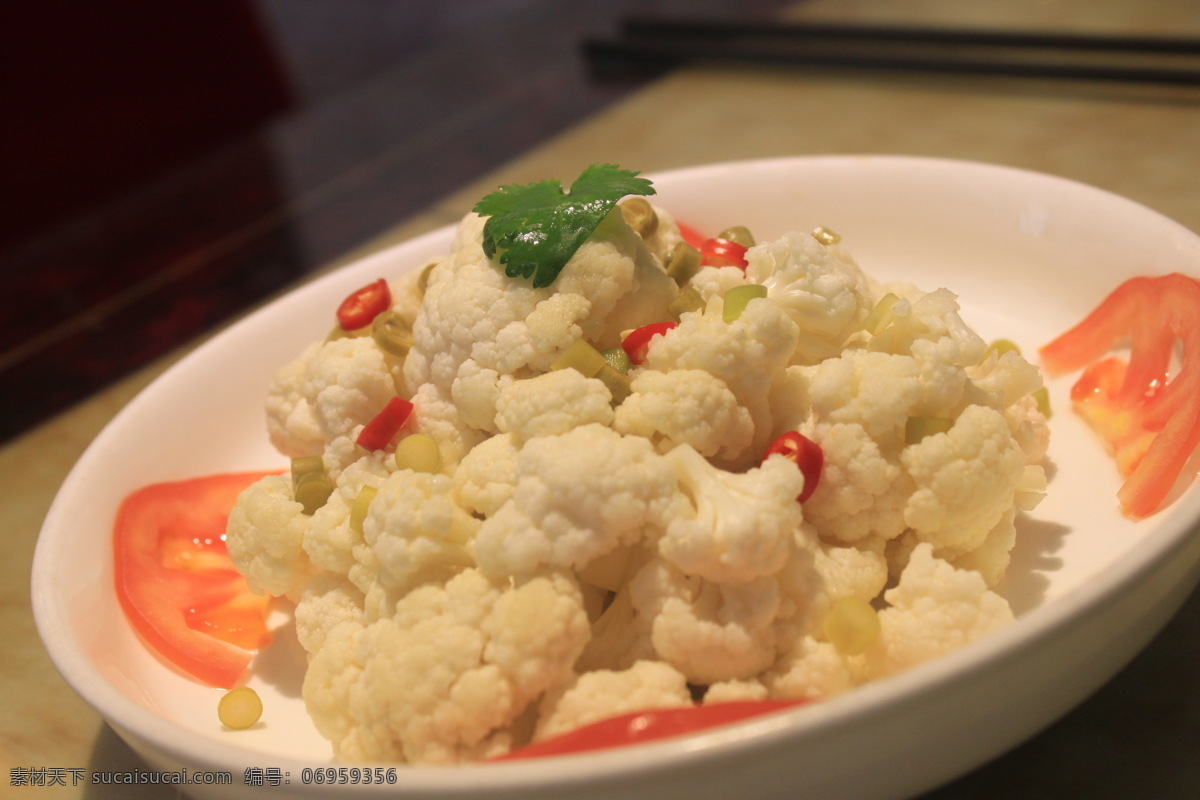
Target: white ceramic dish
point(1028, 255)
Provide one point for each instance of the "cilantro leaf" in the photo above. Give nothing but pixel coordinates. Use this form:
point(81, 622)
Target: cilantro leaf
point(536, 228)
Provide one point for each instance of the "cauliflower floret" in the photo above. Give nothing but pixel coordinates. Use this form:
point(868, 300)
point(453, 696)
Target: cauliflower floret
point(708, 631)
point(416, 532)
point(551, 404)
point(874, 390)
point(743, 524)
point(327, 602)
point(479, 329)
point(748, 355)
point(934, 609)
point(863, 489)
point(408, 291)
point(1001, 380)
point(440, 681)
point(735, 691)
point(820, 287)
point(330, 389)
point(1029, 429)
point(577, 496)
point(811, 670)
point(265, 538)
point(438, 417)
point(713, 282)
point(791, 407)
point(291, 424)
point(813, 667)
point(965, 481)
point(928, 316)
point(487, 476)
point(599, 695)
point(860, 572)
point(329, 539)
point(686, 406)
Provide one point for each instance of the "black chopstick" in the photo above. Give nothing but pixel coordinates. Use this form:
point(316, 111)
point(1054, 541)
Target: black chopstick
point(717, 30)
point(662, 44)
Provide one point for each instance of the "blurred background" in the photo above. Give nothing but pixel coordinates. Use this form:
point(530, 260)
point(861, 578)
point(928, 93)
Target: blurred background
point(167, 165)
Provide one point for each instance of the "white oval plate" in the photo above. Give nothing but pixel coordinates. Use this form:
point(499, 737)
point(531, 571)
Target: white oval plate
point(1028, 255)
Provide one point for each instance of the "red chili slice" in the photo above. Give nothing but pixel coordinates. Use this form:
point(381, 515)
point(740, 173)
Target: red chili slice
point(1151, 421)
point(805, 454)
point(379, 432)
point(638, 342)
point(723, 253)
point(647, 726)
point(690, 235)
point(363, 305)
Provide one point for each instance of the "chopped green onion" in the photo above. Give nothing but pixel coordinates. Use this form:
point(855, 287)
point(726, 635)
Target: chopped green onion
point(639, 215)
point(362, 504)
point(617, 358)
point(618, 383)
point(737, 298)
point(851, 624)
point(683, 262)
point(687, 300)
point(917, 428)
point(1000, 347)
point(392, 333)
point(825, 236)
point(1042, 395)
point(582, 357)
point(738, 233)
point(312, 491)
point(881, 315)
point(310, 485)
point(305, 465)
point(420, 453)
point(239, 708)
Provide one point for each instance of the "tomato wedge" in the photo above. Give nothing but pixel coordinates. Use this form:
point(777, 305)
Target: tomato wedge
point(805, 454)
point(363, 305)
point(646, 726)
point(638, 341)
point(176, 583)
point(1149, 418)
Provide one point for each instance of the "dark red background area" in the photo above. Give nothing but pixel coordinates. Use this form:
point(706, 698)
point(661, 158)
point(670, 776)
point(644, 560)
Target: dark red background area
point(99, 97)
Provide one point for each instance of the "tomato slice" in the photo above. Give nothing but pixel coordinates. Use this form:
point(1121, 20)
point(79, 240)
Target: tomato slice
point(361, 307)
point(718, 252)
point(805, 454)
point(379, 432)
point(1149, 418)
point(176, 583)
point(638, 341)
point(647, 726)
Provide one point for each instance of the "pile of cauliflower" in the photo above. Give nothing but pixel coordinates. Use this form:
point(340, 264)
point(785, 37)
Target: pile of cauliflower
point(574, 558)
